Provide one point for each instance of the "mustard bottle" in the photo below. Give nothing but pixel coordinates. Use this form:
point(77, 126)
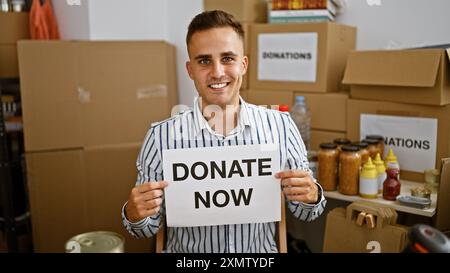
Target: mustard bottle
point(368, 181)
point(392, 163)
point(381, 172)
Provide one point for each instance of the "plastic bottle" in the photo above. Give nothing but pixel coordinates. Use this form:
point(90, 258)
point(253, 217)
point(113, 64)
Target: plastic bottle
point(381, 172)
point(368, 181)
point(392, 163)
point(391, 186)
point(302, 118)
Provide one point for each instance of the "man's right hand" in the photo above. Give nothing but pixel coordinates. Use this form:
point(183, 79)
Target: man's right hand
point(145, 200)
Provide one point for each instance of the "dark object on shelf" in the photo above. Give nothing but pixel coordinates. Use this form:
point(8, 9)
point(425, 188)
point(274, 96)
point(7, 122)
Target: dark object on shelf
point(426, 239)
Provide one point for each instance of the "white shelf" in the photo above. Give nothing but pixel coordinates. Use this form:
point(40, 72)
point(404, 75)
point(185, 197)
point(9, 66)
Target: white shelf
point(405, 189)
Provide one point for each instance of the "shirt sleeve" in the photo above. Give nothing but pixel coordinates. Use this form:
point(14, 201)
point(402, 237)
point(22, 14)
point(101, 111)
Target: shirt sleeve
point(297, 160)
point(149, 169)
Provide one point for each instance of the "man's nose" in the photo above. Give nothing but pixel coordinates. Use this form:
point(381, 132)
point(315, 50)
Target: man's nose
point(217, 70)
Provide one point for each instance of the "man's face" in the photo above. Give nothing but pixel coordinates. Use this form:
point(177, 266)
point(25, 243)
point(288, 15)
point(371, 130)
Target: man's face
point(217, 65)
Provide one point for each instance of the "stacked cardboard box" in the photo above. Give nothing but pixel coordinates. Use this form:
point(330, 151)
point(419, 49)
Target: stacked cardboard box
point(13, 27)
point(399, 87)
point(303, 60)
point(86, 109)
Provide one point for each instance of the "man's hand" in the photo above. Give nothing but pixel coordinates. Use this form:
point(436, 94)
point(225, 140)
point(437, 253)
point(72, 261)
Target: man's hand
point(145, 200)
point(299, 186)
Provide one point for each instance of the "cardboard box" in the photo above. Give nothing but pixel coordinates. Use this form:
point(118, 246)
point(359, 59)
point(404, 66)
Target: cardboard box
point(328, 110)
point(81, 94)
point(300, 57)
point(442, 219)
point(409, 76)
point(82, 190)
point(441, 113)
point(250, 11)
point(321, 136)
point(269, 98)
point(13, 27)
point(344, 234)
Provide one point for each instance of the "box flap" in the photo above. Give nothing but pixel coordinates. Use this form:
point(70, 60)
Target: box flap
point(394, 68)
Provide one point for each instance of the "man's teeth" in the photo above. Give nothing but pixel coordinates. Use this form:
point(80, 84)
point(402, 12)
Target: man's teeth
point(218, 85)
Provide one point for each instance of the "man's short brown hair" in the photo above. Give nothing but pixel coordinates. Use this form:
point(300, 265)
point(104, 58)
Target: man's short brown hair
point(213, 19)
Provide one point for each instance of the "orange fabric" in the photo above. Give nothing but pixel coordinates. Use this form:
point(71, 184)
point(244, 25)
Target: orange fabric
point(43, 25)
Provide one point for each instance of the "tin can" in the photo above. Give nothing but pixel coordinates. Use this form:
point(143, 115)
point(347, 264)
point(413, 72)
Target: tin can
point(96, 242)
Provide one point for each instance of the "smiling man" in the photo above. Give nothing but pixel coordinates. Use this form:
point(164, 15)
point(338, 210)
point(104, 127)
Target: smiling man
point(220, 117)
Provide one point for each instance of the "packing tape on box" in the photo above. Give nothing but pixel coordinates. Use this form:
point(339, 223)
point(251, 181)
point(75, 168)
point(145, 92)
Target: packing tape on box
point(84, 96)
point(157, 90)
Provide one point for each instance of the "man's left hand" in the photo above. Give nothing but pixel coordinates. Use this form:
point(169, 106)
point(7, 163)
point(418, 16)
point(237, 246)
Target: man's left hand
point(299, 186)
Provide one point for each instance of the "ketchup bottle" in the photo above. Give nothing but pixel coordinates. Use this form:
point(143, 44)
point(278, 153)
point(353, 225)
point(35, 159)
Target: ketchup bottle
point(391, 186)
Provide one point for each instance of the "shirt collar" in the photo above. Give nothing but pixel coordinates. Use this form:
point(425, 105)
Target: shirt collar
point(201, 123)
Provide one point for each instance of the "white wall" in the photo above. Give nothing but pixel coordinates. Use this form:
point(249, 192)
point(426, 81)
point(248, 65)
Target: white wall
point(398, 23)
point(73, 21)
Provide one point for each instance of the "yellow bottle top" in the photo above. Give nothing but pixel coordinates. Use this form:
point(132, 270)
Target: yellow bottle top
point(379, 164)
point(391, 156)
point(369, 171)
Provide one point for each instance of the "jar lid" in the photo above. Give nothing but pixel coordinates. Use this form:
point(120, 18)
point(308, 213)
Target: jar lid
point(328, 145)
point(342, 141)
point(350, 148)
point(360, 144)
point(370, 141)
point(377, 137)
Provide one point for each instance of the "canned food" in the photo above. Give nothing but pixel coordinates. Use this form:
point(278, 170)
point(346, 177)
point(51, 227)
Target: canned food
point(96, 242)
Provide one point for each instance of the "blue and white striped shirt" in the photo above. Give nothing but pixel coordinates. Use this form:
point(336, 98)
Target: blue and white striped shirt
point(256, 125)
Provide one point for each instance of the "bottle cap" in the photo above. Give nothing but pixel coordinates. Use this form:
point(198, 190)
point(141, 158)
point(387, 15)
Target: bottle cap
point(300, 99)
point(328, 146)
point(283, 108)
point(391, 156)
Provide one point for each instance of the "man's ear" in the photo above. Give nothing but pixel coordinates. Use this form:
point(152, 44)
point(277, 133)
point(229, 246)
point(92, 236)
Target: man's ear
point(244, 65)
point(189, 69)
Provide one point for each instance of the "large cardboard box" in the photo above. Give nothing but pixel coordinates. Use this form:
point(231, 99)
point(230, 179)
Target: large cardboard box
point(270, 98)
point(13, 27)
point(328, 110)
point(80, 190)
point(81, 94)
point(300, 57)
point(410, 76)
point(441, 113)
point(250, 11)
point(442, 219)
point(321, 136)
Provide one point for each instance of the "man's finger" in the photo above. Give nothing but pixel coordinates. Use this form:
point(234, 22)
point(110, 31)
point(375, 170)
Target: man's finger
point(149, 186)
point(296, 182)
point(292, 173)
point(296, 191)
point(150, 195)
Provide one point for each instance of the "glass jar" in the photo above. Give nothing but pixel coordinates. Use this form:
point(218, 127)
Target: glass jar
point(349, 166)
point(380, 140)
point(341, 142)
point(372, 147)
point(328, 166)
point(363, 151)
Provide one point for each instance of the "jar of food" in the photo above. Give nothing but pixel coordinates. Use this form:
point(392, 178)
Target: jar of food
point(328, 166)
point(341, 142)
point(363, 151)
point(380, 140)
point(372, 147)
point(349, 166)
point(313, 161)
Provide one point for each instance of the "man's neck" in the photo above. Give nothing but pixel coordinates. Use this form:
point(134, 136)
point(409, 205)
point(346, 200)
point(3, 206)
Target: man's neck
point(221, 119)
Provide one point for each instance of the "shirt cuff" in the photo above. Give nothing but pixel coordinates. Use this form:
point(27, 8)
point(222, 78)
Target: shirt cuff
point(138, 224)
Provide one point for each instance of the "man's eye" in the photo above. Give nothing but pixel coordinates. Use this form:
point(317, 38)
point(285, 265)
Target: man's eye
point(203, 61)
point(227, 59)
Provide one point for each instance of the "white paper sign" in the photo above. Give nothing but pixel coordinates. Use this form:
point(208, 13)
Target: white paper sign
point(222, 185)
point(287, 57)
point(413, 140)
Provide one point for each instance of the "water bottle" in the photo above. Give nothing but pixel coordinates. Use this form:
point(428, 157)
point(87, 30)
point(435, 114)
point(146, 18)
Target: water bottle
point(302, 118)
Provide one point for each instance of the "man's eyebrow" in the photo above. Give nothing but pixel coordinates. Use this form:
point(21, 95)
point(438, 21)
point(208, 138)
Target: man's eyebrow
point(229, 53)
point(198, 57)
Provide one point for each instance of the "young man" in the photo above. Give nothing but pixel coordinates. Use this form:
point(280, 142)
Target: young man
point(216, 65)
